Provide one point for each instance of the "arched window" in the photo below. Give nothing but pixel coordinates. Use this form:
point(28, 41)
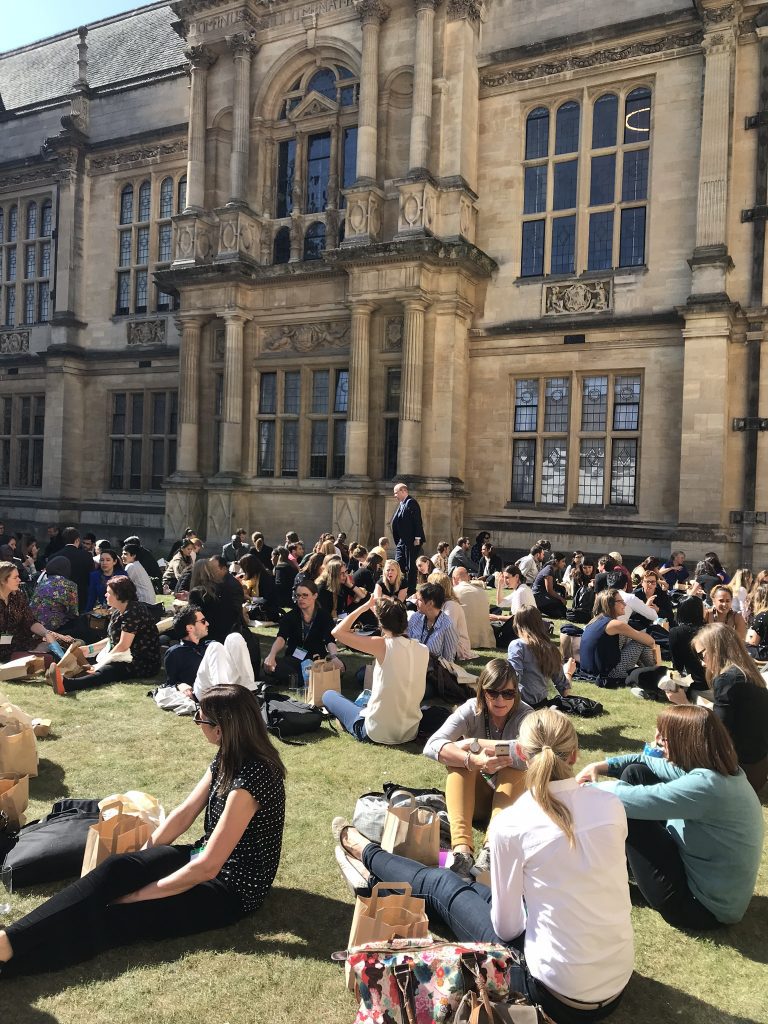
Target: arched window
point(567, 128)
point(166, 198)
point(126, 205)
point(604, 116)
point(13, 224)
point(637, 116)
point(537, 134)
point(324, 82)
point(281, 252)
point(314, 241)
point(32, 221)
point(145, 198)
point(182, 197)
point(45, 219)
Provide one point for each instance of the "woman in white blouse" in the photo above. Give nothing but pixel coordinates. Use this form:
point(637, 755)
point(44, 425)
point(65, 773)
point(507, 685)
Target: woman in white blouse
point(455, 613)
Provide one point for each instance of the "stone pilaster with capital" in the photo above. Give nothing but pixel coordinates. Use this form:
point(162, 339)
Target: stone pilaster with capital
point(372, 13)
point(243, 47)
point(232, 406)
point(359, 390)
point(464, 10)
point(421, 119)
point(409, 444)
point(201, 59)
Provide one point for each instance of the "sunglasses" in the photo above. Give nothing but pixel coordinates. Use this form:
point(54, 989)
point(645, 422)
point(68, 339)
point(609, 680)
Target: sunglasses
point(201, 620)
point(504, 694)
point(198, 719)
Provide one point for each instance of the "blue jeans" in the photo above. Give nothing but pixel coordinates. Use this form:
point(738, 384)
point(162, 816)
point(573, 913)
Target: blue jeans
point(347, 713)
point(465, 907)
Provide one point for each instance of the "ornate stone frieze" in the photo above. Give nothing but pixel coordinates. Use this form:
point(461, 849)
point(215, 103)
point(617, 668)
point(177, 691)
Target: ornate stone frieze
point(609, 55)
point(464, 10)
point(718, 15)
point(243, 44)
point(578, 297)
point(393, 334)
point(31, 176)
point(13, 342)
point(371, 11)
point(146, 154)
point(201, 56)
point(307, 337)
point(146, 332)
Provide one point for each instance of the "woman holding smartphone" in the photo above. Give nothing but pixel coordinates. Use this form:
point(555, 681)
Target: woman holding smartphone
point(476, 745)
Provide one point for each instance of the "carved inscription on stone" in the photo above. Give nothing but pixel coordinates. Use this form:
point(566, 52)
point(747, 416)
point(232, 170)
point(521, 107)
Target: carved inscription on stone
point(581, 297)
point(307, 337)
point(12, 342)
point(146, 332)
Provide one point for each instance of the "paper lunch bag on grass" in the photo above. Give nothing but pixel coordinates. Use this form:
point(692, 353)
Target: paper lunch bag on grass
point(412, 831)
point(122, 833)
point(14, 799)
point(18, 748)
point(381, 918)
point(322, 676)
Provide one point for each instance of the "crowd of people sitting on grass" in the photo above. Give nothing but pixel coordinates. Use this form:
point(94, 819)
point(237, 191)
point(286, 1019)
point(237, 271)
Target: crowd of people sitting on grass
point(685, 811)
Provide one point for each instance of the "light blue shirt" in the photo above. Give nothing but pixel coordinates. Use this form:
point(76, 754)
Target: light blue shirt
point(534, 685)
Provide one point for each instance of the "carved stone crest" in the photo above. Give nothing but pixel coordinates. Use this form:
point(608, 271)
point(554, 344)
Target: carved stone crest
point(393, 334)
point(12, 342)
point(580, 297)
point(459, 10)
point(219, 346)
point(146, 332)
point(307, 337)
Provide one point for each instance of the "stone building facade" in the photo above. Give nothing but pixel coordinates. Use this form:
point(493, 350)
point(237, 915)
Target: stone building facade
point(261, 258)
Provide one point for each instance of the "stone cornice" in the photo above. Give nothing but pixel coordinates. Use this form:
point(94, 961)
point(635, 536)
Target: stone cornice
point(591, 59)
point(136, 157)
point(433, 250)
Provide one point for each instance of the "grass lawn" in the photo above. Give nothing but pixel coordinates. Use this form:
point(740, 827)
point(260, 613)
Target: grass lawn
point(275, 966)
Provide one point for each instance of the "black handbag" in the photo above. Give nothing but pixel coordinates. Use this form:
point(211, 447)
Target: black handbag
point(52, 849)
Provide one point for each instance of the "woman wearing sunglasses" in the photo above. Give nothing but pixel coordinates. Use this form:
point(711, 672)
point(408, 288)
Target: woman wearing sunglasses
point(482, 780)
point(695, 826)
point(558, 880)
point(166, 890)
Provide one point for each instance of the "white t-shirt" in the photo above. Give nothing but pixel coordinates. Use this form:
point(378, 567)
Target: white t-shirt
point(455, 613)
point(520, 598)
point(576, 914)
point(393, 713)
point(138, 574)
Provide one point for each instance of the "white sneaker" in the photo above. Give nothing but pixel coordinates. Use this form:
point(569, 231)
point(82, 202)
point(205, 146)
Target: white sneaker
point(667, 684)
point(638, 691)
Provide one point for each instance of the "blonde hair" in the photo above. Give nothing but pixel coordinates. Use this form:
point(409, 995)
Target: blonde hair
point(444, 580)
point(759, 597)
point(331, 575)
point(725, 649)
point(549, 741)
point(6, 569)
point(328, 548)
point(398, 577)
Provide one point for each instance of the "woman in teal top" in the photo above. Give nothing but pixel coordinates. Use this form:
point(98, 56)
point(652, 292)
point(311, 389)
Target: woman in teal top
point(695, 824)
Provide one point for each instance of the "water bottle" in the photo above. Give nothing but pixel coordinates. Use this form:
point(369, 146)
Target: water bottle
point(362, 700)
point(56, 649)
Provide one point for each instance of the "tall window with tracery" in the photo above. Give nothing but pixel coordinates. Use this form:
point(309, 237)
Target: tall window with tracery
point(25, 262)
point(585, 184)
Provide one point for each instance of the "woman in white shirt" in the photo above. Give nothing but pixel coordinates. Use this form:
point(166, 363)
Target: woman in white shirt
point(455, 613)
point(520, 596)
point(557, 850)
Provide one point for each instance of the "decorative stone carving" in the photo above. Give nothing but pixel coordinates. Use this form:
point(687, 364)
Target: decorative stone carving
point(393, 334)
point(243, 44)
point(239, 234)
point(718, 15)
point(308, 337)
point(146, 154)
point(146, 332)
point(201, 56)
point(464, 10)
point(579, 297)
point(590, 60)
point(219, 346)
point(418, 201)
point(363, 221)
point(27, 177)
point(371, 11)
point(12, 342)
point(194, 239)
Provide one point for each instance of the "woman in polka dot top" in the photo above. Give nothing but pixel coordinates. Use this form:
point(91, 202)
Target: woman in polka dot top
point(165, 890)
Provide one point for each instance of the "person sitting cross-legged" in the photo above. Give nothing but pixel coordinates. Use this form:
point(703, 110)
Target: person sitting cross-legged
point(610, 648)
point(195, 664)
point(481, 781)
point(393, 712)
point(559, 888)
point(303, 632)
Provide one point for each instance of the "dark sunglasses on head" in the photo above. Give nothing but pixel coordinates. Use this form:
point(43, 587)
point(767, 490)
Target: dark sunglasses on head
point(198, 719)
point(504, 694)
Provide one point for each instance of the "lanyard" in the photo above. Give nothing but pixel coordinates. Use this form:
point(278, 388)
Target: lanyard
point(430, 631)
point(306, 629)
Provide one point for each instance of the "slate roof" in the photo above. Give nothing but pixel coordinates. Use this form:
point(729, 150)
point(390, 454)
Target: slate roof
point(129, 45)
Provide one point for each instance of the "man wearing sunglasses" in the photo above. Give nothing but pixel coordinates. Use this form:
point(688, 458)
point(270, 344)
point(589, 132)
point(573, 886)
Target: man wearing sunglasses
point(183, 660)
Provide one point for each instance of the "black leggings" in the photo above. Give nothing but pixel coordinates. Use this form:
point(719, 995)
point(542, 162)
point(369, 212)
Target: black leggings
point(112, 672)
point(655, 861)
point(79, 922)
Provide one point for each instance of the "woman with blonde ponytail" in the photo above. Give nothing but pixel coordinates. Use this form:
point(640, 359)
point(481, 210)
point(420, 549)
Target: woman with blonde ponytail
point(558, 881)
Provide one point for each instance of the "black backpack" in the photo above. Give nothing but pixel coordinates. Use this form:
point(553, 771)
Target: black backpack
point(284, 716)
point(52, 849)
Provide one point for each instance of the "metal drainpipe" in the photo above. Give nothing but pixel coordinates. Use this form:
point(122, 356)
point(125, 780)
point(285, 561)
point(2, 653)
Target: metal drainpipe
point(756, 302)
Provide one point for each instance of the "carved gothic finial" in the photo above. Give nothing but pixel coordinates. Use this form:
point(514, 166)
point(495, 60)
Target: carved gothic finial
point(243, 44)
point(464, 10)
point(201, 57)
point(82, 60)
point(371, 11)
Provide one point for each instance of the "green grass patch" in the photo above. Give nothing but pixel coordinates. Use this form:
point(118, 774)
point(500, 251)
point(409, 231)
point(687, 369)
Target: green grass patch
point(274, 966)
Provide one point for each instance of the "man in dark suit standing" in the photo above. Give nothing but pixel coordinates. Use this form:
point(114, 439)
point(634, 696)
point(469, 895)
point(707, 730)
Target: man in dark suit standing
point(408, 533)
point(81, 564)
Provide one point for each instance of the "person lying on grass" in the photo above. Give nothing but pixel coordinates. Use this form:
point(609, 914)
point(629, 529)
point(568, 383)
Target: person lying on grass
point(695, 823)
point(165, 891)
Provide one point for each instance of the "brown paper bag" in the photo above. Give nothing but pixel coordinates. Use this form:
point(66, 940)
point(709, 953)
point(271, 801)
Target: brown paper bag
point(18, 748)
point(14, 798)
point(322, 676)
point(21, 668)
point(412, 831)
point(122, 833)
point(14, 712)
point(380, 918)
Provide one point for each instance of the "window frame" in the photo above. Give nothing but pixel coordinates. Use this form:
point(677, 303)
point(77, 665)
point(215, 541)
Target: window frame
point(22, 444)
point(25, 278)
point(145, 436)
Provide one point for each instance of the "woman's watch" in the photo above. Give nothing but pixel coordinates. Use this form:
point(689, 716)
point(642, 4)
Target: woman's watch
point(474, 747)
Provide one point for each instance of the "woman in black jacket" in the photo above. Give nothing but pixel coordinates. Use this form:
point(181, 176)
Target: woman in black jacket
point(690, 620)
point(583, 604)
point(285, 574)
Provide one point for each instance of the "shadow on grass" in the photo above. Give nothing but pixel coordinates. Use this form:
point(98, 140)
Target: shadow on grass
point(609, 737)
point(750, 936)
point(647, 998)
point(49, 784)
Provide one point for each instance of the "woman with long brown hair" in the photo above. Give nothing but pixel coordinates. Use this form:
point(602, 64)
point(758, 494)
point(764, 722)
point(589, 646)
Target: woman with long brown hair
point(557, 850)
point(166, 890)
point(722, 611)
point(695, 825)
point(610, 648)
point(536, 661)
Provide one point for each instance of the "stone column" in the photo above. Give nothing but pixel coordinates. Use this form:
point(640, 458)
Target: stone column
point(201, 58)
point(232, 411)
point(409, 445)
point(372, 13)
point(710, 261)
point(359, 390)
point(243, 48)
point(189, 395)
point(421, 120)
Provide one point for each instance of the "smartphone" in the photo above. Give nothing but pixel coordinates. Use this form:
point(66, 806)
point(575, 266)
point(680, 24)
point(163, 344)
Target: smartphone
point(504, 749)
